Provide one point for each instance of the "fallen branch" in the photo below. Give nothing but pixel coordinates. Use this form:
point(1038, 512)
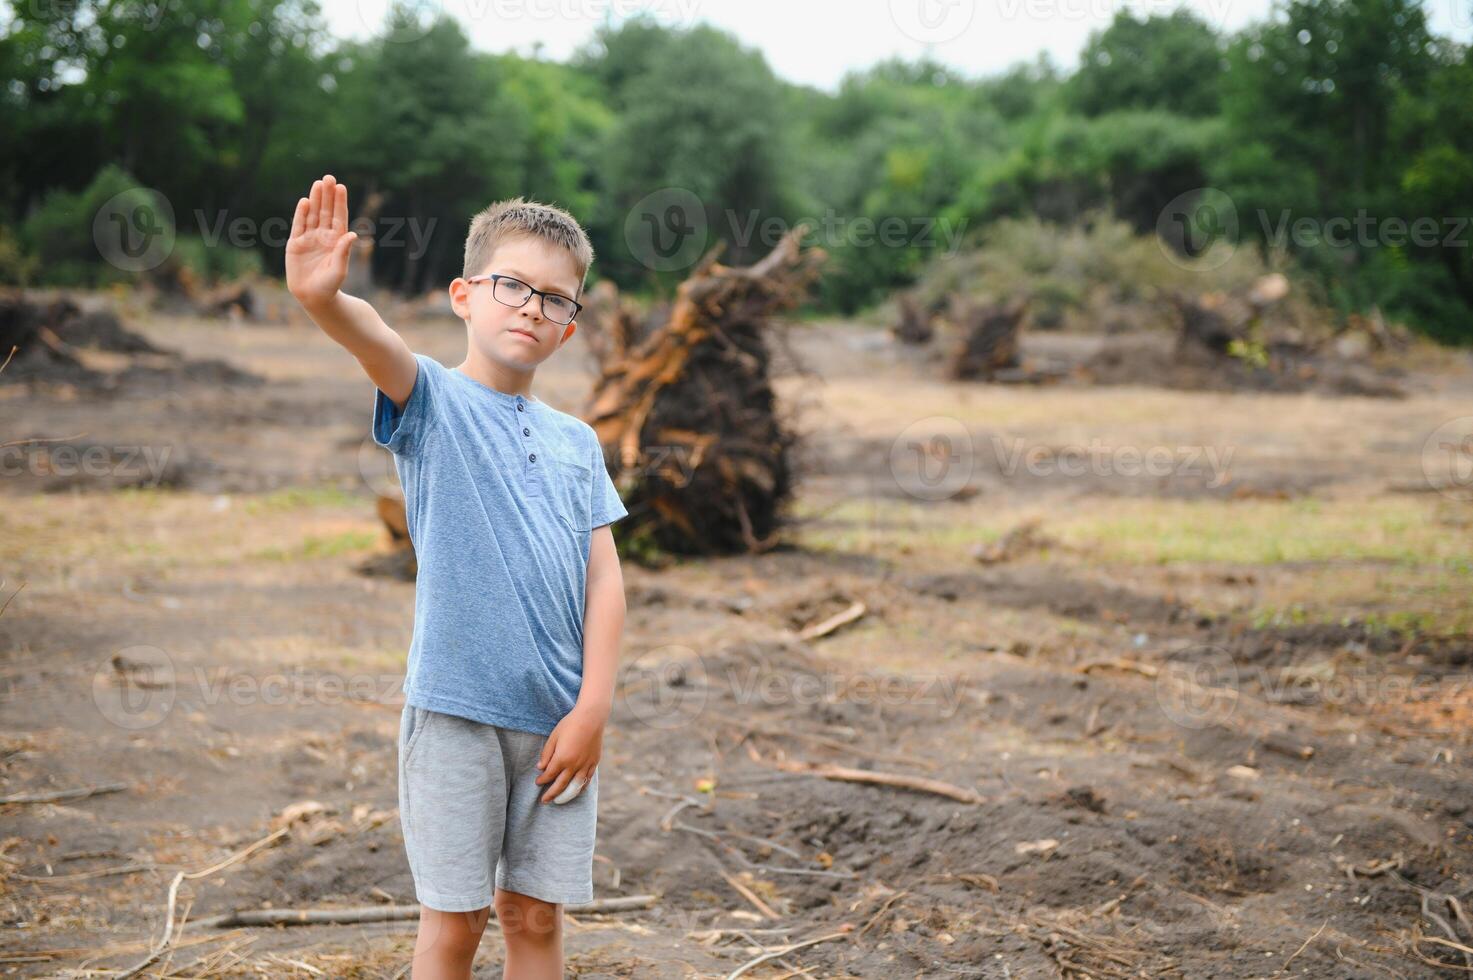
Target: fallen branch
point(386, 913)
point(62, 794)
point(750, 896)
point(827, 626)
point(83, 875)
point(166, 942)
point(1119, 663)
point(918, 783)
point(776, 953)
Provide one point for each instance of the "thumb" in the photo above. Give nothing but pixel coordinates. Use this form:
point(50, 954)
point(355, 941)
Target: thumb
point(345, 243)
point(547, 749)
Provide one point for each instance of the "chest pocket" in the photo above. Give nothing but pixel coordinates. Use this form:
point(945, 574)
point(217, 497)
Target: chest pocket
point(573, 496)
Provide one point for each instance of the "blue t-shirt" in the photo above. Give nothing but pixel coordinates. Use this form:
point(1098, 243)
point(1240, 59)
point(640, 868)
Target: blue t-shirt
point(502, 494)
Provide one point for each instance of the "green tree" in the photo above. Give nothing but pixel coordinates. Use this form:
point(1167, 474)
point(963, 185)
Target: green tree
point(1172, 62)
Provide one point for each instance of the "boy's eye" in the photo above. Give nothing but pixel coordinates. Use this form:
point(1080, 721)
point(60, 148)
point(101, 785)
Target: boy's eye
point(558, 303)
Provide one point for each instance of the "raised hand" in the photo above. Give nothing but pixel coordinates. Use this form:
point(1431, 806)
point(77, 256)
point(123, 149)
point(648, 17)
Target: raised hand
point(317, 252)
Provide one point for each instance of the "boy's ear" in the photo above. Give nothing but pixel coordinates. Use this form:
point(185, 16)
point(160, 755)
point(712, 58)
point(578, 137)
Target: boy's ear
point(460, 297)
point(572, 329)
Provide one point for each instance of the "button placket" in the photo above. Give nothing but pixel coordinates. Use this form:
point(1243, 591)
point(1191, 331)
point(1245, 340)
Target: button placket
point(534, 473)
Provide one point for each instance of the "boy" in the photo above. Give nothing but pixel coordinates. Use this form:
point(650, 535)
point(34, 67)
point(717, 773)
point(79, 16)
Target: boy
point(519, 603)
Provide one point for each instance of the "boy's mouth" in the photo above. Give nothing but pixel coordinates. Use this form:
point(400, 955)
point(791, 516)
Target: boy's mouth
point(524, 333)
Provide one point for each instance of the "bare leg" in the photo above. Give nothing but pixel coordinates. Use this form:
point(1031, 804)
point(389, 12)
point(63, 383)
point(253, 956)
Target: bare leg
point(533, 931)
point(447, 942)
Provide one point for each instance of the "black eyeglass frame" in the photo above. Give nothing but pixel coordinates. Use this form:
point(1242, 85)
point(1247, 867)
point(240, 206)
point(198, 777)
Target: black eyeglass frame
point(495, 277)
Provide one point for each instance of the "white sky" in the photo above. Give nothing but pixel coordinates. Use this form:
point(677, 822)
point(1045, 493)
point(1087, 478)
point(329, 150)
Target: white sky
point(815, 42)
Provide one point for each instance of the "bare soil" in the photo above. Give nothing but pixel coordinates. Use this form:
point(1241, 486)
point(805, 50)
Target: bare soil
point(1190, 765)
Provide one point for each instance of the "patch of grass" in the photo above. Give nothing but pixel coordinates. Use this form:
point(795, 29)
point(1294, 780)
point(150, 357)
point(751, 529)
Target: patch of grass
point(301, 498)
point(1403, 530)
point(321, 546)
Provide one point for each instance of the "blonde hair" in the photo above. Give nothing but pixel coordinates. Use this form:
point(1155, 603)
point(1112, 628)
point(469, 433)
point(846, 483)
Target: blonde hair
point(517, 218)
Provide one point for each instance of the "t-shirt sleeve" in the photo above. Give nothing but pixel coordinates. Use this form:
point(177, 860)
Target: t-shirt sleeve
point(607, 507)
point(402, 431)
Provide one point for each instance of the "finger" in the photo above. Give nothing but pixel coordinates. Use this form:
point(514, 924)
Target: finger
point(314, 209)
point(329, 196)
point(547, 749)
point(340, 209)
point(549, 774)
point(558, 786)
point(299, 218)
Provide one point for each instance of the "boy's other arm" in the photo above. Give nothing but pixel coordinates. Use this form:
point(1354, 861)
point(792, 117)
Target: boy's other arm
point(575, 745)
point(603, 624)
point(316, 266)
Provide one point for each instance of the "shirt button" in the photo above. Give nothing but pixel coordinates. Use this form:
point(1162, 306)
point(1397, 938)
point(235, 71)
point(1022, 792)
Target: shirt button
point(521, 407)
point(533, 457)
point(526, 432)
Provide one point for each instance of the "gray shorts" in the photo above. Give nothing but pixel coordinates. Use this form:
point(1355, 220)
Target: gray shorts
point(469, 806)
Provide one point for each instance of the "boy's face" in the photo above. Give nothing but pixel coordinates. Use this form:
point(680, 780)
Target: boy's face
point(518, 337)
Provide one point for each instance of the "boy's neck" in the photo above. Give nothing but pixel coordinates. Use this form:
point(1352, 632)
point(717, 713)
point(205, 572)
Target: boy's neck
point(506, 380)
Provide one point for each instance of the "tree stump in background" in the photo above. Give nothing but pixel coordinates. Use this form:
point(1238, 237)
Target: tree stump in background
point(917, 322)
point(989, 337)
point(1211, 322)
point(702, 459)
point(612, 327)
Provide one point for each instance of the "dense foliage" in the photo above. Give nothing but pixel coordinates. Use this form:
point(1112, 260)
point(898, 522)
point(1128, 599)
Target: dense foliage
point(1338, 130)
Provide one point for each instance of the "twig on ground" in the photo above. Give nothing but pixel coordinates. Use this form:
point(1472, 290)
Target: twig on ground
point(827, 626)
point(1301, 949)
point(918, 783)
point(387, 913)
point(749, 895)
point(775, 954)
point(166, 941)
point(61, 794)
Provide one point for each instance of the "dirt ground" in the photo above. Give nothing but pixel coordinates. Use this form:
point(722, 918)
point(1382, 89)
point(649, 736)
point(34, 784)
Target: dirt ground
point(1215, 703)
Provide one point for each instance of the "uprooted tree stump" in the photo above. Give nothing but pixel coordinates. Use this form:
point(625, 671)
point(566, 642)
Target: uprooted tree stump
point(1213, 323)
point(612, 328)
point(917, 320)
point(398, 561)
point(702, 460)
point(45, 334)
point(989, 337)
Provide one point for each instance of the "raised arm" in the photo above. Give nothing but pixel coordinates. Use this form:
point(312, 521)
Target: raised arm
point(317, 264)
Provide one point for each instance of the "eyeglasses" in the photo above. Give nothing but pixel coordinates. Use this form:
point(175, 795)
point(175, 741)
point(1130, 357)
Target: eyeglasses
point(515, 293)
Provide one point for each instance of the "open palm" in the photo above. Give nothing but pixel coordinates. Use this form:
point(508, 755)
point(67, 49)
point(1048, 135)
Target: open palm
point(317, 252)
